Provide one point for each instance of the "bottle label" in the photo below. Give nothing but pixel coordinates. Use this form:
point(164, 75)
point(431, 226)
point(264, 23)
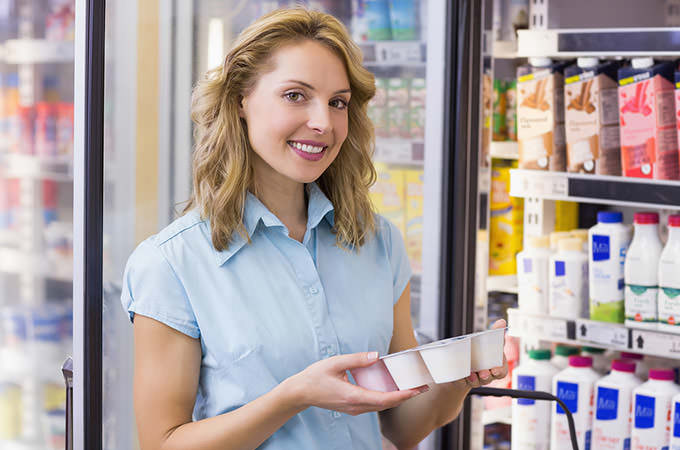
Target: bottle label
point(527, 265)
point(641, 303)
point(644, 411)
point(669, 306)
point(600, 247)
point(568, 393)
point(560, 269)
point(676, 421)
point(607, 403)
point(526, 383)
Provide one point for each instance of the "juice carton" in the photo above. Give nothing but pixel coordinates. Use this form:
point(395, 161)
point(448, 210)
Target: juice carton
point(649, 138)
point(398, 107)
point(415, 186)
point(592, 117)
point(377, 17)
point(388, 195)
point(500, 131)
point(540, 115)
point(511, 109)
point(403, 20)
point(506, 226)
point(377, 108)
point(417, 108)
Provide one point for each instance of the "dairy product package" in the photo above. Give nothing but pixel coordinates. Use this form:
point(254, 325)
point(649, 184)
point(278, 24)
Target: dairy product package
point(398, 113)
point(652, 410)
point(415, 185)
point(669, 279)
point(561, 357)
point(540, 115)
point(487, 112)
point(675, 423)
point(641, 272)
point(388, 195)
point(532, 276)
point(403, 20)
point(500, 131)
point(506, 225)
point(511, 109)
point(377, 108)
point(649, 137)
point(601, 363)
point(607, 246)
point(592, 117)
point(376, 14)
point(677, 104)
point(568, 280)
point(417, 108)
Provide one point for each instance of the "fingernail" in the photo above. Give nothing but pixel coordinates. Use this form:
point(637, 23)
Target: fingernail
point(424, 389)
point(484, 375)
point(372, 356)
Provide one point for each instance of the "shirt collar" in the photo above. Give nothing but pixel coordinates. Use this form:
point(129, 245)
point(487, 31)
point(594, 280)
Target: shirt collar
point(318, 208)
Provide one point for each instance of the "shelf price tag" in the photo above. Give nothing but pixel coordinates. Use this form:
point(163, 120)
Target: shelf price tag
point(537, 183)
point(396, 151)
point(660, 344)
point(610, 335)
point(398, 52)
point(539, 327)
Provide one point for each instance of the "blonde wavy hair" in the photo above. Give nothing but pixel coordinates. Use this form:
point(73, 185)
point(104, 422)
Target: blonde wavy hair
point(222, 171)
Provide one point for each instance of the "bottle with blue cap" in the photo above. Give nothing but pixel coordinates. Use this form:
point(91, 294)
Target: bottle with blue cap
point(608, 243)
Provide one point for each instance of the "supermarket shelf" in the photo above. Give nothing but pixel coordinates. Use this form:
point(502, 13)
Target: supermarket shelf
point(504, 149)
point(599, 42)
point(57, 168)
point(400, 151)
point(504, 49)
point(502, 283)
point(394, 53)
point(36, 51)
point(484, 181)
point(497, 415)
point(600, 189)
point(596, 334)
point(20, 445)
point(21, 262)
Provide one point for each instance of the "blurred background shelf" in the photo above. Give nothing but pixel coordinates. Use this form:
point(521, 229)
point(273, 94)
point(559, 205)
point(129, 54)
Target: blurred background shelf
point(36, 51)
point(504, 149)
point(497, 415)
point(502, 283)
point(58, 168)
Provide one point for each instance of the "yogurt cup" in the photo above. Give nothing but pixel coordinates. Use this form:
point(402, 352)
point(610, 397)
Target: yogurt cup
point(375, 377)
point(407, 369)
point(447, 360)
point(487, 349)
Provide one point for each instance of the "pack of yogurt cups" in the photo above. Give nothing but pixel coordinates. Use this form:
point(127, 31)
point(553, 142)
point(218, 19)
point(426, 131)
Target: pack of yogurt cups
point(438, 362)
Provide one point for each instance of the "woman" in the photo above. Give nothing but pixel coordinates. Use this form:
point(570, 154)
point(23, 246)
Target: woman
point(250, 309)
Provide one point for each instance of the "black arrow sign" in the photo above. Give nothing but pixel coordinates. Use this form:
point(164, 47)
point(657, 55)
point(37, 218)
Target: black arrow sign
point(640, 342)
point(583, 330)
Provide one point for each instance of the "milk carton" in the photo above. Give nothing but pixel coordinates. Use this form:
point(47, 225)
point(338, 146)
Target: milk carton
point(669, 279)
point(568, 280)
point(532, 276)
point(607, 245)
point(540, 115)
point(612, 422)
point(652, 410)
point(531, 418)
point(675, 424)
point(649, 137)
point(561, 357)
point(641, 272)
point(574, 386)
point(592, 117)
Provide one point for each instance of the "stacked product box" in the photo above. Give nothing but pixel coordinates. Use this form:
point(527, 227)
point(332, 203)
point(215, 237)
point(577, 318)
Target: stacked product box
point(506, 222)
point(398, 108)
point(388, 195)
point(415, 185)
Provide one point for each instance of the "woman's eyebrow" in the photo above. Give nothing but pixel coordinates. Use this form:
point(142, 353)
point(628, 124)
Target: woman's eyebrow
point(309, 86)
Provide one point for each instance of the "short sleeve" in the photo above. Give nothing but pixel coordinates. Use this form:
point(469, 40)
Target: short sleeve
point(151, 288)
point(396, 252)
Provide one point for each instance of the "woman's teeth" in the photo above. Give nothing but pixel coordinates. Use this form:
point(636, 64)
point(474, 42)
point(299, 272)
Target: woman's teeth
point(306, 148)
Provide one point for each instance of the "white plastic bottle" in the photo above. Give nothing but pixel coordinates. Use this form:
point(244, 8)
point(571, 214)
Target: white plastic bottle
point(561, 357)
point(641, 272)
point(613, 393)
point(568, 280)
point(642, 364)
point(675, 423)
point(532, 276)
point(574, 386)
point(652, 410)
point(669, 279)
point(607, 245)
point(556, 237)
point(531, 418)
point(601, 363)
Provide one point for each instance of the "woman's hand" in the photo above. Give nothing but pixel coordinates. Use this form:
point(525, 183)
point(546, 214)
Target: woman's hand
point(483, 377)
point(325, 384)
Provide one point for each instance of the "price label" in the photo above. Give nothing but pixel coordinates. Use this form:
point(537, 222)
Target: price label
point(535, 183)
point(654, 343)
point(523, 325)
point(610, 335)
point(397, 151)
point(398, 52)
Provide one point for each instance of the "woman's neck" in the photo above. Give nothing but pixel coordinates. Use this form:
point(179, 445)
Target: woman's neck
point(286, 200)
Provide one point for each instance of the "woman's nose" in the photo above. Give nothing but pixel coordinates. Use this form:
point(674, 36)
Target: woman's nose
point(320, 119)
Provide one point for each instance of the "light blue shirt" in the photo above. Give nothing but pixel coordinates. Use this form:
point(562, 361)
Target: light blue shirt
point(267, 310)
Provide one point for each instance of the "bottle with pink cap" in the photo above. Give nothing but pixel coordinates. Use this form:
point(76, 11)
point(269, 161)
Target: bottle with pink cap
point(641, 272)
point(574, 386)
point(652, 410)
point(669, 279)
point(613, 393)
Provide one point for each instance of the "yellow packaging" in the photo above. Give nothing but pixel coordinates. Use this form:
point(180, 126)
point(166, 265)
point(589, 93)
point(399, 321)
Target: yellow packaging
point(388, 195)
point(566, 216)
point(415, 185)
point(506, 225)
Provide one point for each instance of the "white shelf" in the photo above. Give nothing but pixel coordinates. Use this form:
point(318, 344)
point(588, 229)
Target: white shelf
point(504, 149)
point(504, 49)
point(59, 168)
point(37, 51)
point(410, 152)
point(606, 335)
point(627, 42)
point(601, 189)
point(497, 415)
point(394, 53)
point(502, 283)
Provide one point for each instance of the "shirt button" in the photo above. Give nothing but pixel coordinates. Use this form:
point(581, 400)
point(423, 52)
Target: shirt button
point(313, 290)
point(336, 414)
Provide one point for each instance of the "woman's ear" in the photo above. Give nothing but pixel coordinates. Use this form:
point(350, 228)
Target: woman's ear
point(241, 112)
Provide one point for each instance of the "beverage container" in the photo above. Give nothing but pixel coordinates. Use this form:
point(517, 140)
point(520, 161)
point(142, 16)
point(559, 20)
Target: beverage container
point(376, 14)
point(675, 423)
point(669, 279)
point(608, 242)
point(540, 115)
point(65, 129)
point(601, 363)
point(568, 280)
point(531, 418)
point(403, 20)
point(398, 107)
point(506, 223)
point(574, 386)
point(649, 137)
point(612, 424)
point(10, 113)
point(642, 364)
point(417, 108)
point(49, 200)
point(377, 108)
point(511, 109)
point(561, 357)
point(592, 117)
point(555, 238)
point(532, 276)
point(652, 410)
point(500, 132)
point(46, 129)
point(641, 272)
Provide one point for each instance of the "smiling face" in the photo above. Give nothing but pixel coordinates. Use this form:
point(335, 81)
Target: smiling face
point(297, 114)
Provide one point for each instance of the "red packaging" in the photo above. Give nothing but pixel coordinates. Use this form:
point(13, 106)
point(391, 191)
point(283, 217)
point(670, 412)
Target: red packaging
point(49, 200)
point(24, 138)
point(13, 202)
point(46, 129)
point(65, 128)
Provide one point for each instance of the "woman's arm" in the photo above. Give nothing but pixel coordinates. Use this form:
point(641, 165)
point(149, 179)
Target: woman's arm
point(409, 423)
point(167, 369)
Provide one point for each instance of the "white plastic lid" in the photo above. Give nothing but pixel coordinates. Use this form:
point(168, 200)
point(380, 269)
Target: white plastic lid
point(642, 63)
point(570, 244)
point(540, 61)
point(587, 61)
point(557, 236)
point(539, 242)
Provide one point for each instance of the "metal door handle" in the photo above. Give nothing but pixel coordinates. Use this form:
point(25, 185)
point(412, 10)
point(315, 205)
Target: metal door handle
point(67, 370)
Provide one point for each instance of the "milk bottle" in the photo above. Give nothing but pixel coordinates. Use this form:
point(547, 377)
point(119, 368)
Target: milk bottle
point(669, 279)
point(568, 280)
point(601, 363)
point(532, 276)
point(652, 410)
point(611, 425)
point(531, 418)
point(574, 386)
point(642, 364)
point(675, 423)
point(607, 245)
point(641, 272)
point(556, 237)
point(561, 357)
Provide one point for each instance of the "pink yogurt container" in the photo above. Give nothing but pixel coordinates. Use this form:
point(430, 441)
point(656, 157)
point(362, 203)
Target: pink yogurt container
point(375, 377)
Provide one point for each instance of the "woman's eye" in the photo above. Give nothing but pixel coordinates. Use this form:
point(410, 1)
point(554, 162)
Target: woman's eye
point(293, 96)
point(339, 103)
